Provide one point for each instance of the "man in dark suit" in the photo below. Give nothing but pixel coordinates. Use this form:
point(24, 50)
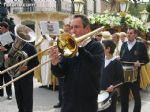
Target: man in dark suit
point(24, 86)
point(132, 53)
point(82, 72)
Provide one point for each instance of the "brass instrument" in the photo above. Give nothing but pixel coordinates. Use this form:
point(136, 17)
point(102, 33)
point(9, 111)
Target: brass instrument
point(39, 41)
point(23, 34)
point(67, 46)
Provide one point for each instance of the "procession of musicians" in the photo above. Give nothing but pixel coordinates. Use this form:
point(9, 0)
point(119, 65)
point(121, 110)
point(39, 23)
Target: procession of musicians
point(107, 69)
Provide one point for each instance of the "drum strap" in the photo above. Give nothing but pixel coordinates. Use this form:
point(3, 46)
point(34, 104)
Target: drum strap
point(137, 50)
point(126, 47)
point(124, 50)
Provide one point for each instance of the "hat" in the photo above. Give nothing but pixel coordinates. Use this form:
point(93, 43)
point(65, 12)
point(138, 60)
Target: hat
point(106, 35)
point(123, 34)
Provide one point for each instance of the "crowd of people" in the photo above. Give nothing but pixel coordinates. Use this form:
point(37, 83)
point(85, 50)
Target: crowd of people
point(119, 50)
point(97, 67)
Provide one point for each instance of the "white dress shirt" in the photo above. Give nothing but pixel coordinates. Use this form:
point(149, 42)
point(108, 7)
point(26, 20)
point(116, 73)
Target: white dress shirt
point(131, 44)
point(107, 61)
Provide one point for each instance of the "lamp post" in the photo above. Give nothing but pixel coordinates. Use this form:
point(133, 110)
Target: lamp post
point(78, 6)
point(123, 6)
point(144, 16)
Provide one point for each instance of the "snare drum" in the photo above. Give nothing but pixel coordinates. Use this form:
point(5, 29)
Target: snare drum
point(104, 100)
point(130, 73)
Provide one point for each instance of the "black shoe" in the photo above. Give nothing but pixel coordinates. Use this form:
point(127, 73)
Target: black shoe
point(43, 86)
point(50, 87)
point(57, 105)
point(1, 95)
point(9, 97)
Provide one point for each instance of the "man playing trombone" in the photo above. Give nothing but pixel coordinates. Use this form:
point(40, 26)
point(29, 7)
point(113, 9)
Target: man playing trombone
point(82, 72)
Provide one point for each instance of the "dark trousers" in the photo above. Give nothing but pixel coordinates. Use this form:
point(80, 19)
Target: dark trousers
point(80, 106)
point(124, 95)
point(112, 107)
point(60, 89)
point(24, 94)
point(4, 78)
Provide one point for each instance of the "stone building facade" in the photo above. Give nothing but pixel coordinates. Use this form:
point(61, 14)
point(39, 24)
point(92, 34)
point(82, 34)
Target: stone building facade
point(31, 12)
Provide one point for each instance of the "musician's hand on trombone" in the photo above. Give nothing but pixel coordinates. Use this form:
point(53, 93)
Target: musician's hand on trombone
point(54, 55)
point(137, 64)
point(23, 68)
point(118, 57)
point(6, 57)
point(110, 88)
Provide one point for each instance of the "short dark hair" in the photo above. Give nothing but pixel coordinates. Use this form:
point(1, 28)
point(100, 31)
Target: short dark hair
point(85, 20)
point(135, 30)
point(110, 44)
point(4, 24)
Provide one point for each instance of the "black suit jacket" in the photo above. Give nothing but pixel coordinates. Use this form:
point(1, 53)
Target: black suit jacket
point(138, 52)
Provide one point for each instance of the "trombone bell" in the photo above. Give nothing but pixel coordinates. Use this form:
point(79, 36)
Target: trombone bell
point(67, 45)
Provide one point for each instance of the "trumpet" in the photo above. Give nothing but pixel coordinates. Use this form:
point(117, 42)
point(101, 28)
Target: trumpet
point(67, 45)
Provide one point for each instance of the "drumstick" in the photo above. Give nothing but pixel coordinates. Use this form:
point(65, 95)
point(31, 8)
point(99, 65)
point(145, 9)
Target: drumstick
point(130, 62)
point(118, 84)
point(115, 86)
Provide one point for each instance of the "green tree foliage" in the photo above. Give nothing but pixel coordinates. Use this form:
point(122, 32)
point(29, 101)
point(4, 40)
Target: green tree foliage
point(148, 10)
point(136, 11)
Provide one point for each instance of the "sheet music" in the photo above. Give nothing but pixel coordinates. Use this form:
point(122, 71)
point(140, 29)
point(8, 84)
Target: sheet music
point(49, 27)
point(6, 38)
point(43, 27)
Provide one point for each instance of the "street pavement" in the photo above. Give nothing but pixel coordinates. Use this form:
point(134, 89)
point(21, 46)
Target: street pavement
point(44, 100)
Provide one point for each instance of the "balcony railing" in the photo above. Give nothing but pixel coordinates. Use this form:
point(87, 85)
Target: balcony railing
point(44, 6)
point(66, 6)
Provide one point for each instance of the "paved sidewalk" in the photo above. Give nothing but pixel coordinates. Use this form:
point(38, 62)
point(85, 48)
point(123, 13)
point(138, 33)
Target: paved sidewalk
point(44, 100)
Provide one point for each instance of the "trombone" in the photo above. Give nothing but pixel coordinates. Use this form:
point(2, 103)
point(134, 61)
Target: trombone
point(67, 45)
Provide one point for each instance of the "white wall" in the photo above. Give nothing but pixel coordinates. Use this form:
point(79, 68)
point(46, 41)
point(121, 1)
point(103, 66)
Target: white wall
point(148, 25)
point(98, 5)
point(90, 6)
